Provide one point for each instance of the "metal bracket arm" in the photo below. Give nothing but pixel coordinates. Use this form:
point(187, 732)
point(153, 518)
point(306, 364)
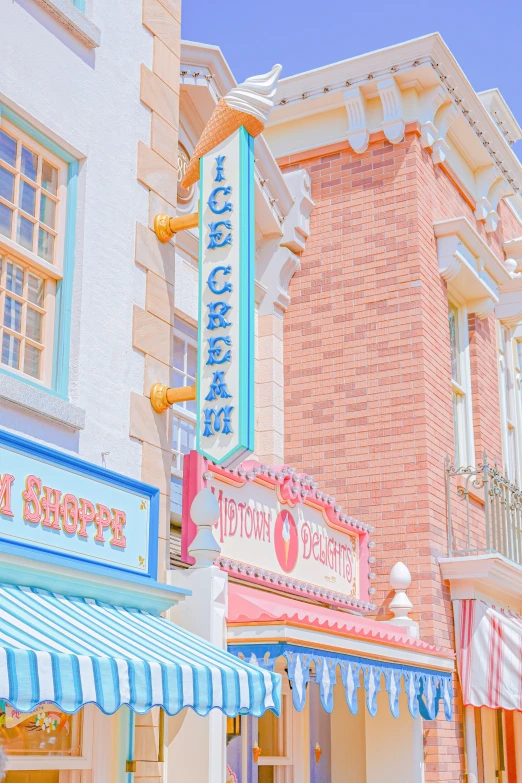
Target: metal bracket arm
point(161, 397)
point(165, 227)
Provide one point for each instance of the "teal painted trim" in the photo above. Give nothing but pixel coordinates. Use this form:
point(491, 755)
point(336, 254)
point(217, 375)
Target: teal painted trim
point(247, 273)
point(35, 134)
point(80, 5)
point(64, 287)
point(199, 446)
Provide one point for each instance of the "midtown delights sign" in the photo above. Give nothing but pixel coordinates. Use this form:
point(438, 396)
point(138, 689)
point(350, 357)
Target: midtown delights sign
point(276, 528)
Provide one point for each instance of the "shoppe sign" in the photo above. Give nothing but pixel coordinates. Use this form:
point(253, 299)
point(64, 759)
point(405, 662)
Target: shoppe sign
point(54, 503)
point(277, 529)
point(225, 377)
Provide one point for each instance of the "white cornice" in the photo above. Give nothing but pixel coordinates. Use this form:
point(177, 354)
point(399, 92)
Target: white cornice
point(428, 62)
point(471, 577)
point(494, 102)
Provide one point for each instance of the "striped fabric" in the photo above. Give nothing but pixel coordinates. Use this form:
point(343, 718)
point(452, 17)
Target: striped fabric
point(489, 655)
point(77, 651)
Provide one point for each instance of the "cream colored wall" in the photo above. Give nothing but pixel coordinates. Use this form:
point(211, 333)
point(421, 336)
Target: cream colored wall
point(394, 747)
point(348, 740)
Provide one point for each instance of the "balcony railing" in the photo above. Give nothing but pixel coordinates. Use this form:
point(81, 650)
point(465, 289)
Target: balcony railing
point(484, 511)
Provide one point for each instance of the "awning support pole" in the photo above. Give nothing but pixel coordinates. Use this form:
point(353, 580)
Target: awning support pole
point(470, 744)
point(161, 735)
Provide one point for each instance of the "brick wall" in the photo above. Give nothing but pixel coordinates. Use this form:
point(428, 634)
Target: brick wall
point(368, 402)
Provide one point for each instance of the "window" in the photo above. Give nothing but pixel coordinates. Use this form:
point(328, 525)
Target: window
point(184, 374)
point(37, 205)
point(509, 355)
point(461, 386)
point(46, 745)
point(29, 195)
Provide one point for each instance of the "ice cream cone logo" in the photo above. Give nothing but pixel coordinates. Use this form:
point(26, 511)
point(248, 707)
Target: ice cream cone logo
point(248, 104)
point(286, 541)
point(318, 752)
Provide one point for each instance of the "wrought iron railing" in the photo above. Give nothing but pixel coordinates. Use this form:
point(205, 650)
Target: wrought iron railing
point(484, 511)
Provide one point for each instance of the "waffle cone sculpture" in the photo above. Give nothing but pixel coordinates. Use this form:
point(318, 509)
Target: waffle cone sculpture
point(249, 104)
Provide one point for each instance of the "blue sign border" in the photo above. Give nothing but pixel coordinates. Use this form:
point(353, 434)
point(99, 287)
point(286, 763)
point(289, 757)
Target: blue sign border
point(246, 349)
point(96, 472)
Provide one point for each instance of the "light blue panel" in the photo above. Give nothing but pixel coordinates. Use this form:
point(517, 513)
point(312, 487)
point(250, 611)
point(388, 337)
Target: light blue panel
point(62, 330)
point(80, 5)
point(139, 502)
point(320, 732)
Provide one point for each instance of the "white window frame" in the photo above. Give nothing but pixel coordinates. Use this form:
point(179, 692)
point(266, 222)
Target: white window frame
point(11, 250)
point(461, 391)
point(65, 764)
point(178, 410)
point(510, 383)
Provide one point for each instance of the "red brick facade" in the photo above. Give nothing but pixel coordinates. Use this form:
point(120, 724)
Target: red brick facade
point(368, 399)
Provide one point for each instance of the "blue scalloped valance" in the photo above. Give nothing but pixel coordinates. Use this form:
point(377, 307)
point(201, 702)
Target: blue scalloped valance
point(424, 688)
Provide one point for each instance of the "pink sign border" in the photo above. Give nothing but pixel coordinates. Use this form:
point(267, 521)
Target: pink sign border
point(292, 488)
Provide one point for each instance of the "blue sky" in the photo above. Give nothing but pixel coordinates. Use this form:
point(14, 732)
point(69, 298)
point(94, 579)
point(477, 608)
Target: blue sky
point(485, 37)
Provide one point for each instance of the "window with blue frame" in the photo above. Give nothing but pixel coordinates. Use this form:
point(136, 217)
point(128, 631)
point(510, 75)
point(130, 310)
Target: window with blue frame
point(37, 227)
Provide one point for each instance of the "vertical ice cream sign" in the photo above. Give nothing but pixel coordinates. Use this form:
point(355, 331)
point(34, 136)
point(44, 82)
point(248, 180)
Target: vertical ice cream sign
point(225, 377)
point(225, 386)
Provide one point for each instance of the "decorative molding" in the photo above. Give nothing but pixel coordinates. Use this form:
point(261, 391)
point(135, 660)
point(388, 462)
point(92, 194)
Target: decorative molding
point(431, 102)
point(509, 308)
point(474, 576)
point(393, 123)
point(296, 227)
point(491, 187)
point(502, 114)
point(74, 21)
point(513, 250)
point(471, 269)
point(358, 133)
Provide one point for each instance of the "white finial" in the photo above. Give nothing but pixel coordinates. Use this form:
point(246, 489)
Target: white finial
point(204, 512)
point(511, 266)
point(400, 605)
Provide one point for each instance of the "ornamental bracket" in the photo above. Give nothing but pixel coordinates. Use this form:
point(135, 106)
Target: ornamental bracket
point(165, 227)
point(161, 397)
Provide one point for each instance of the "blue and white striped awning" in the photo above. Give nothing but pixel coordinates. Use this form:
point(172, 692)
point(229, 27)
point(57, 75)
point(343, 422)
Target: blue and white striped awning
point(77, 651)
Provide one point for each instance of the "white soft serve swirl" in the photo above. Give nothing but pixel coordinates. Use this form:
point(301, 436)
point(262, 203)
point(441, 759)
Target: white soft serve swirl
point(255, 95)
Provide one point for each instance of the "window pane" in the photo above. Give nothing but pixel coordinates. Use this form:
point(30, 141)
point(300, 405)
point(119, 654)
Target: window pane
point(191, 362)
point(14, 278)
point(454, 345)
point(456, 429)
point(35, 290)
point(49, 178)
point(45, 731)
point(269, 735)
point(187, 435)
point(33, 325)
point(27, 197)
point(178, 380)
point(8, 148)
point(6, 184)
point(47, 210)
point(10, 350)
point(45, 245)
point(13, 314)
point(179, 354)
point(32, 358)
point(6, 219)
point(29, 163)
point(24, 233)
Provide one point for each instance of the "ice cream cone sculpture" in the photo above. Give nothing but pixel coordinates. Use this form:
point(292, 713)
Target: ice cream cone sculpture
point(318, 753)
point(286, 539)
point(256, 752)
point(249, 104)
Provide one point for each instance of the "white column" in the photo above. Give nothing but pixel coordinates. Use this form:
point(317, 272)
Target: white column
point(197, 745)
point(470, 740)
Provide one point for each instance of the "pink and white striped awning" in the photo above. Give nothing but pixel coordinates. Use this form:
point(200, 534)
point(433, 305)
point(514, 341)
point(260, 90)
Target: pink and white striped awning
point(489, 655)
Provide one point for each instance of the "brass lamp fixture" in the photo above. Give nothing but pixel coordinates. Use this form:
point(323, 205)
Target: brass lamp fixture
point(165, 227)
point(161, 397)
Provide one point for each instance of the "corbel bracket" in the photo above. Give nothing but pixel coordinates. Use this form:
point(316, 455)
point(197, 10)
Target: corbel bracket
point(161, 397)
